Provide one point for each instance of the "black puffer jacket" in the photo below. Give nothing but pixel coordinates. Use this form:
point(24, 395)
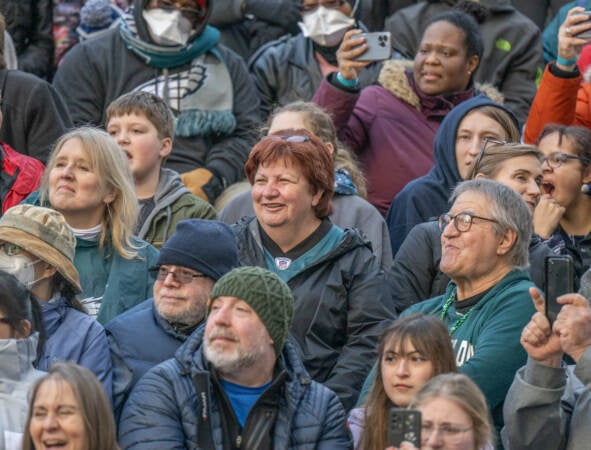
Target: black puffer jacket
point(176, 406)
point(29, 23)
point(285, 70)
point(342, 305)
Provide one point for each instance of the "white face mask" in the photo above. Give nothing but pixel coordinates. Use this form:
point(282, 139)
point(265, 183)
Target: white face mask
point(20, 266)
point(168, 26)
point(326, 26)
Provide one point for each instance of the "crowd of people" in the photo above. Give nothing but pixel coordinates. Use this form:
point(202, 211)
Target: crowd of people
point(222, 228)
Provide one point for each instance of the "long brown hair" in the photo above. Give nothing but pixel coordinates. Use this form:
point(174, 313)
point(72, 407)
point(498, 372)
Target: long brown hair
point(92, 401)
point(430, 337)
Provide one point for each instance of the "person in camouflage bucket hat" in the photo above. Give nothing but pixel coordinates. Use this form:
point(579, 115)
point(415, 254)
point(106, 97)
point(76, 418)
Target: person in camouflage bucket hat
point(264, 292)
point(38, 247)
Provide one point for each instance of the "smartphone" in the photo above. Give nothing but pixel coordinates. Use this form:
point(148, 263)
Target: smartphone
point(404, 425)
point(558, 280)
point(587, 33)
point(379, 46)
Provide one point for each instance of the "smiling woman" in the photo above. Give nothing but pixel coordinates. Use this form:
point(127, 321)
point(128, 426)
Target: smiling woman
point(69, 409)
point(342, 301)
point(391, 126)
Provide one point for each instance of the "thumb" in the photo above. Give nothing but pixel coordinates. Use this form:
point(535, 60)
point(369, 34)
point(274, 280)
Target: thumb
point(538, 300)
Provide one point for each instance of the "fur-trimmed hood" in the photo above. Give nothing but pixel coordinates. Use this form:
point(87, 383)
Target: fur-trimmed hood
point(394, 77)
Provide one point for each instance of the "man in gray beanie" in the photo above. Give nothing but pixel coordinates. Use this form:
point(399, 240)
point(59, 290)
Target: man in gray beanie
point(198, 254)
point(238, 382)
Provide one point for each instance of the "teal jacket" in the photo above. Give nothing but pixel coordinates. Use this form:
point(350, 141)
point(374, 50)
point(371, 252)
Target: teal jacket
point(122, 283)
point(486, 345)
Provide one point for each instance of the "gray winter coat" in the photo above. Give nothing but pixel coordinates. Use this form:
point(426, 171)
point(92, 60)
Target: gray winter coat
point(175, 406)
point(549, 408)
point(342, 306)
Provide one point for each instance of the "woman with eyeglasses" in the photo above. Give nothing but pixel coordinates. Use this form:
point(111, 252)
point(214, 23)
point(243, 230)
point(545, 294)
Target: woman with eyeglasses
point(37, 246)
point(21, 340)
point(415, 273)
point(410, 352)
point(89, 181)
point(342, 301)
point(454, 415)
point(391, 125)
point(563, 217)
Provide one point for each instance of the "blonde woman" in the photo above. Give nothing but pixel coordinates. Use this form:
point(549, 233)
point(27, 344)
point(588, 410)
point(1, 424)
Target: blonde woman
point(89, 181)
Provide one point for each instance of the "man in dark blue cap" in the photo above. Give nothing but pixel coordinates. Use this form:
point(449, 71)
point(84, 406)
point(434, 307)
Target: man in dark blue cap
point(190, 262)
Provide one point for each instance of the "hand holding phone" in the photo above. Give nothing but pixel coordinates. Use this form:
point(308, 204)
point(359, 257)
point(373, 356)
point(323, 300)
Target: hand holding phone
point(379, 46)
point(558, 280)
point(587, 33)
point(404, 425)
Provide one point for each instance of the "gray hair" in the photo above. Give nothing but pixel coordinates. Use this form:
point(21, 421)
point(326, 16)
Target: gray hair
point(508, 210)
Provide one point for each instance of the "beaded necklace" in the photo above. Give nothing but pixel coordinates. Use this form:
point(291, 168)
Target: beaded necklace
point(458, 322)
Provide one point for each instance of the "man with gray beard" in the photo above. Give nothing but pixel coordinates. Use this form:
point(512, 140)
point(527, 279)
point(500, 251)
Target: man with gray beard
point(238, 382)
point(190, 262)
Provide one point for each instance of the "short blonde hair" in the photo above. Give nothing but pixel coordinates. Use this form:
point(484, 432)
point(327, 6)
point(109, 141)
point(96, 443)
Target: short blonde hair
point(111, 167)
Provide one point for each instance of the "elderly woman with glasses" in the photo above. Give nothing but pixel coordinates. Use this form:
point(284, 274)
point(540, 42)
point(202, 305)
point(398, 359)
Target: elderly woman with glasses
point(342, 302)
point(563, 217)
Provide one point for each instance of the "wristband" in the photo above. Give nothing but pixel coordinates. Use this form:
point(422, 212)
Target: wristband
point(347, 83)
point(566, 62)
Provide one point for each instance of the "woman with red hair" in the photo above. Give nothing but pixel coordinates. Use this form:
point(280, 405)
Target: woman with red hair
point(342, 301)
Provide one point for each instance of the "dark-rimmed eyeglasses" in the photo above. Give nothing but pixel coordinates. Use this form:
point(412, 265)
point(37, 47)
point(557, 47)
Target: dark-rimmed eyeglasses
point(5, 320)
point(193, 14)
point(182, 276)
point(330, 4)
point(557, 159)
point(462, 221)
point(485, 143)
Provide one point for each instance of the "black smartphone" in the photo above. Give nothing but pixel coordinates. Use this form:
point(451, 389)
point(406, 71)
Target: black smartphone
point(379, 46)
point(404, 425)
point(558, 280)
point(587, 33)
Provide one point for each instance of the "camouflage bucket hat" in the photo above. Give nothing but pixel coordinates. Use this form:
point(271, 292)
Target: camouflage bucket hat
point(44, 233)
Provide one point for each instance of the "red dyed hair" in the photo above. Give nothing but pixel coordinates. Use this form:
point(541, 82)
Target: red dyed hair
point(311, 157)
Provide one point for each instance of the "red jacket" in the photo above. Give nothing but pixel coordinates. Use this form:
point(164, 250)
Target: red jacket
point(558, 100)
point(20, 176)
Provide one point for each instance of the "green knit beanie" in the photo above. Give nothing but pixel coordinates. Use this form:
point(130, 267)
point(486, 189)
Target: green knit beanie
point(266, 293)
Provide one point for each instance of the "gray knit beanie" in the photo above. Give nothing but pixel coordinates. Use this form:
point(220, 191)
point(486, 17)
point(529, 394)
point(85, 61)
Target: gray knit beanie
point(266, 293)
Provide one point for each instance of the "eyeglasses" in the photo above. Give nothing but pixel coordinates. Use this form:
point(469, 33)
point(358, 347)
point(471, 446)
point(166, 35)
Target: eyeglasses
point(330, 4)
point(485, 144)
point(462, 221)
point(5, 320)
point(10, 249)
point(450, 433)
point(182, 276)
point(557, 159)
point(191, 13)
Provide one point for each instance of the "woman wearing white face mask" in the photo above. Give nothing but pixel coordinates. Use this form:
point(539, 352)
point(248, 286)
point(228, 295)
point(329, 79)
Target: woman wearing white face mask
point(37, 246)
point(291, 68)
point(21, 336)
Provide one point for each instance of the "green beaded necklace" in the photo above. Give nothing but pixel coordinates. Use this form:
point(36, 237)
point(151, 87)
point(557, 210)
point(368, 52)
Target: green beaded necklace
point(461, 320)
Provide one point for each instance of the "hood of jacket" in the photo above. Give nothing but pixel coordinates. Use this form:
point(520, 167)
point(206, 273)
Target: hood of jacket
point(17, 357)
point(396, 77)
point(170, 188)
